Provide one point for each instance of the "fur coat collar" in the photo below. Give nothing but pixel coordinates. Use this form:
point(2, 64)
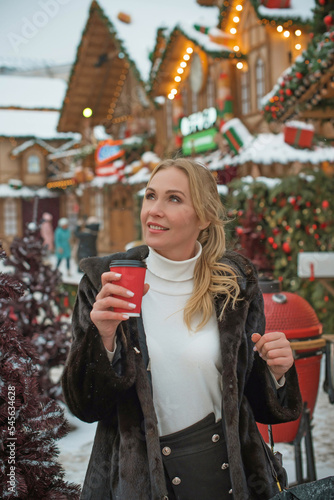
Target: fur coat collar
point(126, 457)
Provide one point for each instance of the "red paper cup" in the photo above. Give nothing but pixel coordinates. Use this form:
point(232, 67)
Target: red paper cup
point(133, 276)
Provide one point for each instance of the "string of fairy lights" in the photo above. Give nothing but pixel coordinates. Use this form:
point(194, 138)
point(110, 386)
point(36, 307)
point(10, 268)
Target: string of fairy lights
point(234, 17)
point(283, 28)
point(180, 70)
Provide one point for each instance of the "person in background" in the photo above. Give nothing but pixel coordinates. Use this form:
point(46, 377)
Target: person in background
point(177, 392)
point(87, 238)
point(47, 232)
point(62, 243)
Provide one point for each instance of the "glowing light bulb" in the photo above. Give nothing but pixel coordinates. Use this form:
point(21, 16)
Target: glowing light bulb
point(87, 112)
point(236, 48)
point(186, 57)
point(173, 91)
point(180, 71)
point(177, 78)
point(170, 96)
point(233, 31)
point(298, 32)
point(240, 65)
point(236, 19)
point(239, 8)
point(183, 64)
point(286, 33)
point(190, 50)
point(279, 29)
point(298, 46)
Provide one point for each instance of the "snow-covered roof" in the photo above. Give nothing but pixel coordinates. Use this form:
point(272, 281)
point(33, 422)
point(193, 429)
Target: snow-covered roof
point(6, 191)
point(31, 92)
point(28, 144)
point(39, 124)
point(302, 9)
point(203, 39)
point(271, 148)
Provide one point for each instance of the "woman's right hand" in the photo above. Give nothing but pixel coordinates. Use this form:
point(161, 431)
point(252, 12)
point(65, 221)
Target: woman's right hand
point(102, 314)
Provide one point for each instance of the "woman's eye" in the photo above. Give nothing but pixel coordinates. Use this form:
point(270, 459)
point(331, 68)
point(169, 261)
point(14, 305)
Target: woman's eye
point(149, 196)
point(174, 198)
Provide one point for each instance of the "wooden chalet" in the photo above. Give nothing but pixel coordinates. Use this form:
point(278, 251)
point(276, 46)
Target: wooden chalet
point(28, 120)
point(271, 37)
point(231, 66)
point(106, 89)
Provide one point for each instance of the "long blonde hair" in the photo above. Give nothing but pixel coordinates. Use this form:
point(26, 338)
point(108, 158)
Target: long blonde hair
point(211, 277)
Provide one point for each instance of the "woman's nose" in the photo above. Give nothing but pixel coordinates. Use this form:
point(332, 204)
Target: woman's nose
point(156, 208)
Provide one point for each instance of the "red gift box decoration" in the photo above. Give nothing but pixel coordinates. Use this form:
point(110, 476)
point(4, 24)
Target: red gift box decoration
point(298, 136)
point(276, 4)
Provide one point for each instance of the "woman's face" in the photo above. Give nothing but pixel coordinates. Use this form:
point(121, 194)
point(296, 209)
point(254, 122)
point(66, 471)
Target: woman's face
point(169, 222)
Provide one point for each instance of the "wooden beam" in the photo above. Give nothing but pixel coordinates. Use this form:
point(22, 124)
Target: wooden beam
point(309, 93)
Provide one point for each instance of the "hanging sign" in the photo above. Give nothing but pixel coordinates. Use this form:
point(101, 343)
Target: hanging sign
point(107, 151)
point(199, 142)
point(196, 122)
point(115, 168)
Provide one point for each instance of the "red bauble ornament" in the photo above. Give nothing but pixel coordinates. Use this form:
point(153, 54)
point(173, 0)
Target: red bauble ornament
point(288, 92)
point(328, 20)
point(271, 240)
point(239, 230)
point(275, 246)
point(325, 204)
point(299, 75)
point(322, 2)
point(286, 247)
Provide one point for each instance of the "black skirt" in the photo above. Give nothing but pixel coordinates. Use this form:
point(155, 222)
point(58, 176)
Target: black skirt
point(196, 463)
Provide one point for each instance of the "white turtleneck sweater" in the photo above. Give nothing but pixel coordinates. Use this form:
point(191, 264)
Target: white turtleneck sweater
point(185, 365)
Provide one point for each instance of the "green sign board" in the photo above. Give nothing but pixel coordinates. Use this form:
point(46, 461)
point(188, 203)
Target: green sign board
point(199, 142)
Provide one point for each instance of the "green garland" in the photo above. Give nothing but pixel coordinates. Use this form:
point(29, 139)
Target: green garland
point(305, 72)
point(296, 215)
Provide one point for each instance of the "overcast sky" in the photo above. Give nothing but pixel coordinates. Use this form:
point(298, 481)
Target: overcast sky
point(50, 30)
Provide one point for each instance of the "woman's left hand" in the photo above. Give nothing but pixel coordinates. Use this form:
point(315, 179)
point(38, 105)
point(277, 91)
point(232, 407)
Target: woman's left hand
point(276, 351)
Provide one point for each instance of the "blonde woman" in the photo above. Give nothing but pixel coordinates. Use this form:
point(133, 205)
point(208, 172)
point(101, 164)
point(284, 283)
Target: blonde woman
point(178, 392)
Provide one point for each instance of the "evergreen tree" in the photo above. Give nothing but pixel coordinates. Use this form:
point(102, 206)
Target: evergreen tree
point(28, 426)
point(323, 16)
point(294, 215)
point(40, 312)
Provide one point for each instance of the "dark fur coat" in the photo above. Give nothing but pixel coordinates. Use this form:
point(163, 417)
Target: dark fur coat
point(126, 461)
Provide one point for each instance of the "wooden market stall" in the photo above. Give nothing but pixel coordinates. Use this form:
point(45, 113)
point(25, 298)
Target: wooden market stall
point(105, 90)
point(29, 111)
